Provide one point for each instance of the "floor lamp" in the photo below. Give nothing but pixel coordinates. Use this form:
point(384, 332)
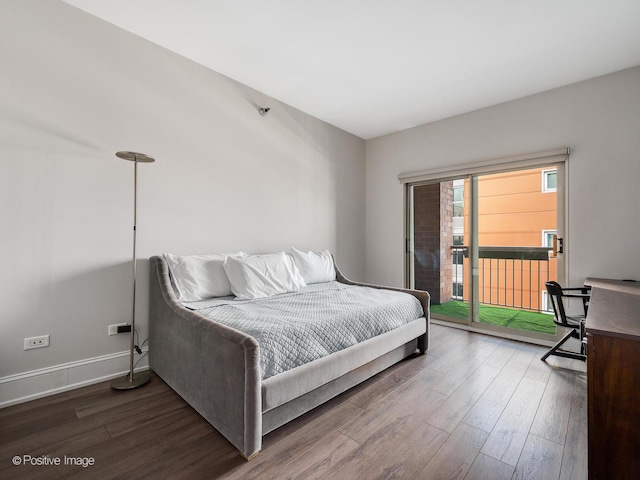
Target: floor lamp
point(140, 378)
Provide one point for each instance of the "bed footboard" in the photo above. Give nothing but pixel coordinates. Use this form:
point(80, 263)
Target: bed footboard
point(222, 386)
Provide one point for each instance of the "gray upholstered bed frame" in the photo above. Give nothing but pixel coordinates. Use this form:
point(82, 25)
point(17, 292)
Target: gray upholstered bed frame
point(216, 369)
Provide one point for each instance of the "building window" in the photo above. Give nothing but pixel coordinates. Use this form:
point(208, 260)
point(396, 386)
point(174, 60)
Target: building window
point(458, 253)
point(547, 307)
point(549, 180)
point(547, 238)
point(458, 198)
point(457, 291)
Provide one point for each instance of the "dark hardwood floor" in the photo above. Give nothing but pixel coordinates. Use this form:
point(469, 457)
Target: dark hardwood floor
point(473, 407)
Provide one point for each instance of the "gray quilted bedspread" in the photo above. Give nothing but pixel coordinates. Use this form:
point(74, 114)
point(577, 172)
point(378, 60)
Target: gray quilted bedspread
point(296, 328)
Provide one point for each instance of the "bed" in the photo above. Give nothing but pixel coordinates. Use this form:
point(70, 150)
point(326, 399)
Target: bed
point(229, 372)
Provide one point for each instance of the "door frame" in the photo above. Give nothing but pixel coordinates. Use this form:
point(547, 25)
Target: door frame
point(557, 158)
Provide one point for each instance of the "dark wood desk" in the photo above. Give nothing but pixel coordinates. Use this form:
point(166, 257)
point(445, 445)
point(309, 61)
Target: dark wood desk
point(613, 380)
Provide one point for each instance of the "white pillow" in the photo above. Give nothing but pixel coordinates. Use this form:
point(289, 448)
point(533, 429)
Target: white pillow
point(198, 277)
point(260, 276)
point(315, 267)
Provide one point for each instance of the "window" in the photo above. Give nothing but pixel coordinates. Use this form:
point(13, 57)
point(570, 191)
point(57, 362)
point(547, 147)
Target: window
point(458, 198)
point(549, 180)
point(458, 253)
point(458, 210)
point(469, 227)
point(547, 238)
point(546, 304)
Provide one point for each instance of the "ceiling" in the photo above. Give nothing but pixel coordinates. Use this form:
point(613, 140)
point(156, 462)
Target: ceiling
point(373, 67)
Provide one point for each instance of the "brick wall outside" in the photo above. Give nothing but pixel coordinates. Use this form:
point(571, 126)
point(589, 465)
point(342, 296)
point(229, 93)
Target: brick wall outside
point(433, 238)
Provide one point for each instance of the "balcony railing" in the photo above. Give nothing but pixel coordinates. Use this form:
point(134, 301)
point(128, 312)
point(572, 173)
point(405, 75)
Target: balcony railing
point(507, 276)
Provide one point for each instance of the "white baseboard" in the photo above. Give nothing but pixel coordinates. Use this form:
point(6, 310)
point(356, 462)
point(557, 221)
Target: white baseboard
point(43, 382)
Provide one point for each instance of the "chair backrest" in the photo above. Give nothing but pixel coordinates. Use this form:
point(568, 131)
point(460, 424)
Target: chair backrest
point(555, 296)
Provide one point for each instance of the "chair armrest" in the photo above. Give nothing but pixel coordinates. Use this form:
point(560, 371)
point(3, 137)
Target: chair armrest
point(586, 287)
point(586, 297)
point(576, 295)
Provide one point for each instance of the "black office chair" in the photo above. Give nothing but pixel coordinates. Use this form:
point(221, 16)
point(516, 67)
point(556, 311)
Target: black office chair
point(575, 324)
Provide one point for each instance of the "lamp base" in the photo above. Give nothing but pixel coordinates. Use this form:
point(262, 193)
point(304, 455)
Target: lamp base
point(127, 383)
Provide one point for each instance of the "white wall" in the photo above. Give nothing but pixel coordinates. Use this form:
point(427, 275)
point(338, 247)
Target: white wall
point(74, 90)
point(598, 119)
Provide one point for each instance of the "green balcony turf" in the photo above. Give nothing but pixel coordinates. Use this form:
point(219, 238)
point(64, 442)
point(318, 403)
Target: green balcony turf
point(501, 316)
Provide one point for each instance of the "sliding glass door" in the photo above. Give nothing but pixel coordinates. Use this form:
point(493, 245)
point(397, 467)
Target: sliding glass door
point(482, 246)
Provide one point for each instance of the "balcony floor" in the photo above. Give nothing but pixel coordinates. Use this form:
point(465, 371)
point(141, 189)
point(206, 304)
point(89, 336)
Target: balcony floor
point(501, 316)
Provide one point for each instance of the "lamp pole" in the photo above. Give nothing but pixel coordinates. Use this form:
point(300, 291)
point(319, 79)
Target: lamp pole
point(131, 380)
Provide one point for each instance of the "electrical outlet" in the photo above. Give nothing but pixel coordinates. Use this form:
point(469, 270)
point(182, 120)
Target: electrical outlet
point(113, 329)
point(36, 342)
